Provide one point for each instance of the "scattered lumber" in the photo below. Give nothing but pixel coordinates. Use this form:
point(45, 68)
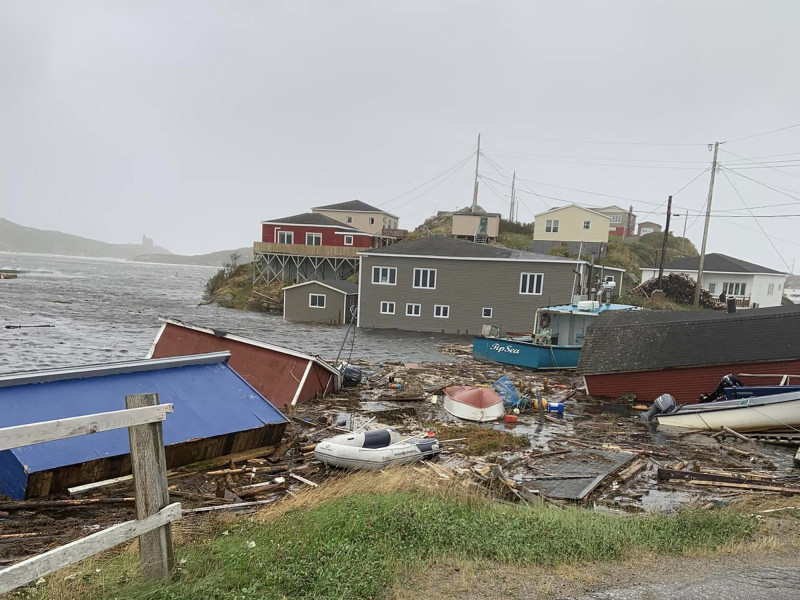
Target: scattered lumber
point(671, 475)
point(88, 487)
point(265, 488)
point(632, 470)
point(237, 506)
point(750, 486)
point(46, 504)
point(727, 429)
point(220, 461)
point(303, 480)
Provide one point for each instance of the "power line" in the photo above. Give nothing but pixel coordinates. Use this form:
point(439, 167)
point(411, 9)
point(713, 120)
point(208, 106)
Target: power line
point(412, 190)
point(603, 142)
point(766, 185)
point(763, 164)
point(757, 221)
point(747, 137)
point(433, 187)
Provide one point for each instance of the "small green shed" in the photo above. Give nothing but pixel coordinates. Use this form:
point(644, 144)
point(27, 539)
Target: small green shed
point(332, 301)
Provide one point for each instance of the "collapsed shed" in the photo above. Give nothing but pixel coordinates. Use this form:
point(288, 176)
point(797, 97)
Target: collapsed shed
point(648, 353)
point(216, 413)
point(283, 375)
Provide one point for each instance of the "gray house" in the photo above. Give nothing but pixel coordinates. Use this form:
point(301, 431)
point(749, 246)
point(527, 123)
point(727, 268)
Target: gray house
point(332, 301)
point(455, 286)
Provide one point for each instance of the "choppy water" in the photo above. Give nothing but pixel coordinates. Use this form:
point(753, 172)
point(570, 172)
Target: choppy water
point(107, 310)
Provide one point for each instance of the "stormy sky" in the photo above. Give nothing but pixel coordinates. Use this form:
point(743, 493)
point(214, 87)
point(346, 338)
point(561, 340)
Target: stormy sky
point(193, 121)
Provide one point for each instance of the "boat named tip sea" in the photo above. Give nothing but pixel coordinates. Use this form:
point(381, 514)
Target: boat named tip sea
point(555, 343)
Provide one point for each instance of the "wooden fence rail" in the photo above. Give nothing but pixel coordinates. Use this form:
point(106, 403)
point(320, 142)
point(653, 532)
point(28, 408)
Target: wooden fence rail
point(143, 419)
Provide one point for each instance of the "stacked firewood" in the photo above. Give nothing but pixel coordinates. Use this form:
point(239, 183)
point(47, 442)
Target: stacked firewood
point(678, 287)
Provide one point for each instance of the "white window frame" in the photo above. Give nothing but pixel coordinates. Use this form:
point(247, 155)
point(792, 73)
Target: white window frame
point(524, 284)
point(314, 236)
point(712, 287)
point(770, 289)
point(483, 312)
point(587, 224)
point(424, 277)
point(348, 240)
point(413, 309)
point(287, 235)
point(551, 226)
point(616, 218)
point(391, 273)
point(312, 305)
point(443, 310)
point(387, 307)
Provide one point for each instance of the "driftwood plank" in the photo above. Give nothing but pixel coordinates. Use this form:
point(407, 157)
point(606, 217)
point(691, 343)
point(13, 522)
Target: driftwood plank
point(58, 558)
point(47, 431)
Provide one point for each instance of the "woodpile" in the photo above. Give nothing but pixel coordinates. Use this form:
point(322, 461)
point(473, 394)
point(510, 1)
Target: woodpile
point(678, 287)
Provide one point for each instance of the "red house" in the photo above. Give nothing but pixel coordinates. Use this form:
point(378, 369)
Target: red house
point(313, 229)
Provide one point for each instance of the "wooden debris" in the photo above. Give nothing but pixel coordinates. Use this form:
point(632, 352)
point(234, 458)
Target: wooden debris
point(57, 504)
point(631, 471)
point(727, 429)
point(671, 474)
point(214, 463)
point(750, 486)
point(265, 488)
point(88, 487)
point(303, 480)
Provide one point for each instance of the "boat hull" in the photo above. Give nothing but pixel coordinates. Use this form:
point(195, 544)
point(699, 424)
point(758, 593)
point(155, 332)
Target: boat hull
point(370, 459)
point(525, 354)
point(750, 414)
point(473, 413)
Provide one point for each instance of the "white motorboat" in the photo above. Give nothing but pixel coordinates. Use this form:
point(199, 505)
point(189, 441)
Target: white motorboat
point(375, 449)
point(756, 413)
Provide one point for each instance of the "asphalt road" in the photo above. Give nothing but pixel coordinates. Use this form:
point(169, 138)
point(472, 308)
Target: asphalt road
point(760, 583)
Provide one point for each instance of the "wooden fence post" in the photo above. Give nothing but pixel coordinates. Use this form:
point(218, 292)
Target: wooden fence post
point(149, 466)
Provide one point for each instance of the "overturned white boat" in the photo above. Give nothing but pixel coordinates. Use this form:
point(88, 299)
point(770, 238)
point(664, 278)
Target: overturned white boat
point(376, 449)
point(756, 413)
point(474, 403)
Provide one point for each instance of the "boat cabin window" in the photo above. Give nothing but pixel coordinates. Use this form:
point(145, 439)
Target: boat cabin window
point(387, 308)
point(286, 237)
point(384, 275)
point(413, 310)
point(486, 313)
point(425, 279)
point(551, 226)
point(316, 300)
point(313, 239)
point(531, 283)
point(441, 311)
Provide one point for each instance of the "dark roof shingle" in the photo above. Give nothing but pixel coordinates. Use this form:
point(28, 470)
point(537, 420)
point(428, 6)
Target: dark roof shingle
point(437, 245)
point(626, 341)
point(720, 263)
point(354, 205)
point(311, 219)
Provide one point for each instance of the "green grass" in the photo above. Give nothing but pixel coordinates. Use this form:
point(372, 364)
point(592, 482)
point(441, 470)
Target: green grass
point(354, 546)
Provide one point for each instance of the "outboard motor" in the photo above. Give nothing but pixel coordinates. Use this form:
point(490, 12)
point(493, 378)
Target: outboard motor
point(727, 381)
point(665, 403)
point(351, 376)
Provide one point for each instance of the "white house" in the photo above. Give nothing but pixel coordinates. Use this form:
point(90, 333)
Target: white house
point(752, 285)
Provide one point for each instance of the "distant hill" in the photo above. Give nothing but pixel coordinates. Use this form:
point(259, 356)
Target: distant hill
point(17, 238)
point(213, 259)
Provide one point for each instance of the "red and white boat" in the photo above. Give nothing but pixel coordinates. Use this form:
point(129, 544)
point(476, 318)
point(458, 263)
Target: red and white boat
point(472, 403)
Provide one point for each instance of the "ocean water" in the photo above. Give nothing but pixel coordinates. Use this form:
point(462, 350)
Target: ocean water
point(105, 310)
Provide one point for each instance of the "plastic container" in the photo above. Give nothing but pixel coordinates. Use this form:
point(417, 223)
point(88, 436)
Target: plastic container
point(511, 418)
point(395, 386)
point(556, 407)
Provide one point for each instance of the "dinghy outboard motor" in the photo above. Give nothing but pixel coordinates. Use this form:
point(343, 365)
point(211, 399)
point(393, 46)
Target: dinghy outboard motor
point(351, 376)
point(664, 404)
point(727, 381)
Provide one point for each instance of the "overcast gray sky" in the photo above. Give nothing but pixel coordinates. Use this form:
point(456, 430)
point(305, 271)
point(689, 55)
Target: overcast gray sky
point(193, 121)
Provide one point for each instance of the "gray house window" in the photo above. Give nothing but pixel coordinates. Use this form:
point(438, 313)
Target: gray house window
point(316, 300)
point(387, 308)
point(372, 220)
point(587, 224)
point(616, 218)
point(486, 313)
point(313, 239)
point(349, 219)
point(413, 310)
point(551, 226)
point(770, 289)
point(712, 287)
point(286, 237)
point(531, 283)
point(425, 279)
point(441, 311)
point(348, 240)
point(384, 275)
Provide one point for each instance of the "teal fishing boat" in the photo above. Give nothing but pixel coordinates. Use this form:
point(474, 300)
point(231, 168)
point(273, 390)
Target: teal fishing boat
point(555, 343)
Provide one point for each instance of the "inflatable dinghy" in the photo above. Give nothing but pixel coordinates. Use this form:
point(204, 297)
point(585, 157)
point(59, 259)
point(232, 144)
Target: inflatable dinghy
point(376, 449)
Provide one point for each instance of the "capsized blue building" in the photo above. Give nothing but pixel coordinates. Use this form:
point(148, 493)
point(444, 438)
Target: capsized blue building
point(216, 412)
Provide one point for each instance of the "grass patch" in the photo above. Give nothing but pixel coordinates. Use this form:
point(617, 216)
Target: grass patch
point(342, 541)
point(480, 441)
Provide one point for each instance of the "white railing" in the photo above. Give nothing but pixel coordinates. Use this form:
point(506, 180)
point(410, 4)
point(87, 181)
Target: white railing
point(154, 513)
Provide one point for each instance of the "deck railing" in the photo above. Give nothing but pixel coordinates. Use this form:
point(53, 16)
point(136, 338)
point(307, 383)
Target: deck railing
point(304, 250)
point(395, 233)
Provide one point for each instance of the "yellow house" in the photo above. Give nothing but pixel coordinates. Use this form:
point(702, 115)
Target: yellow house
point(574, 226)
point(362, 216)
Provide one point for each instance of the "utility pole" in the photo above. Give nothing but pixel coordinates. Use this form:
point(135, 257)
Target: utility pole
point(513, 182)
point(477, 164)
point(697, 286)
point(664, 243)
